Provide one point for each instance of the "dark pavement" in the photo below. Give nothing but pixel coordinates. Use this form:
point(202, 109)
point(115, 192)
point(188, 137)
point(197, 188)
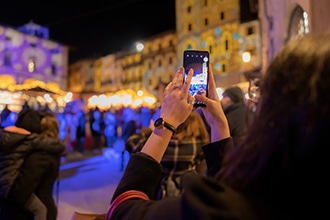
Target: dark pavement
point(87, 182)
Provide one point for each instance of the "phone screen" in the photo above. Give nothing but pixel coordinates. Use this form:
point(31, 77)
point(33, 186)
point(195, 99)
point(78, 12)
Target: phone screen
point(199, 61)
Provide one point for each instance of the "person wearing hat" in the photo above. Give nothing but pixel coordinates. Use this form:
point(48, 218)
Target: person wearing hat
point(20, 178)
point(234, 108)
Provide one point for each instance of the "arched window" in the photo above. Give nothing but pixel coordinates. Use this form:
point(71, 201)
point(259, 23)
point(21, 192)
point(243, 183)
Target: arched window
point(298, 24)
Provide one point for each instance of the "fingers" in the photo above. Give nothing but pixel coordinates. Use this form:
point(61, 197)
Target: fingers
point(191, 99)
point(212, 92)
point(202, 97)
point(186, 85)
point(176, 101)
point(178, 78)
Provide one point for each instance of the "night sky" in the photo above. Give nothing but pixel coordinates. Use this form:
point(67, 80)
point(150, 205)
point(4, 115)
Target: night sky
point(93, 28)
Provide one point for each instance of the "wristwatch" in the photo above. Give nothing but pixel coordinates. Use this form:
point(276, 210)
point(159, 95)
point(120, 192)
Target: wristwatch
point(160, 123)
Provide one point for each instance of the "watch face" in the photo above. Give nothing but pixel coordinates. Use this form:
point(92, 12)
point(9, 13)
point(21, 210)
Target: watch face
point(158, 123)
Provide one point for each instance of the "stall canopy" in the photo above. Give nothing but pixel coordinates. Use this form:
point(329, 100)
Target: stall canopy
point(7, 82)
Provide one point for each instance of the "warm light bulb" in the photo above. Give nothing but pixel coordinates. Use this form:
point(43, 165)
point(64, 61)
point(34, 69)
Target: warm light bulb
point(246, 57)
point(139, 47)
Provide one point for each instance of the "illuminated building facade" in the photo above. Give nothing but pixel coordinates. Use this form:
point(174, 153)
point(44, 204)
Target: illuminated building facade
point(225, 28)
point(216, 26)
point(241, 35)
point(284, 20)
point(28, 58)
point(25, 56)
point(147, 70)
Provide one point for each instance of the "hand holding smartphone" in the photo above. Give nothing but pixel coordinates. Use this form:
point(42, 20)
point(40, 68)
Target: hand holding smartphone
point(199, 61)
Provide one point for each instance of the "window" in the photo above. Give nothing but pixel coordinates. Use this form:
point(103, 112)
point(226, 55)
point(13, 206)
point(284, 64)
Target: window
point(53, 69)
point(32, 64)
point(206, 21)
point(7, 58)
point(210, 49)
point(170, 60)
point(205, 3)
point(150, 80)
point(222, 15)
point(250, 31)
point(189, 27)
point(188, 9)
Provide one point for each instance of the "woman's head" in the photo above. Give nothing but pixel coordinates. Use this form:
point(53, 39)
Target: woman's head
point(292, 117)
point(29, 119)
point(49, 126)
point(193, 127)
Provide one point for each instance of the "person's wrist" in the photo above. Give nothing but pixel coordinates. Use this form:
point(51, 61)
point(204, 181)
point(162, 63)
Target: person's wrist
point(219, 131)
point(162, 123)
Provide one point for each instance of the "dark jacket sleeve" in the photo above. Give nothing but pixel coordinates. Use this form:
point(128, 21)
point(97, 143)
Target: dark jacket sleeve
point(143, 173)
point(31, 171)
point(203, 198)
point(49, 144)
point(214, 153)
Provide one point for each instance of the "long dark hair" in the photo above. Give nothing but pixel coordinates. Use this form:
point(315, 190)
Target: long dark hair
point(286, 144)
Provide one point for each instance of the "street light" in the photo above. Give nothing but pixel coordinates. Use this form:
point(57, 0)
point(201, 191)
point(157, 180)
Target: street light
point(246, 57)
point(139, 46)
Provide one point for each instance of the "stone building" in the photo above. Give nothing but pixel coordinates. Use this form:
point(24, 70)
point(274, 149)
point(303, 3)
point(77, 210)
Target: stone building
point(228, 29)
point(30, 59)
point(284, 20)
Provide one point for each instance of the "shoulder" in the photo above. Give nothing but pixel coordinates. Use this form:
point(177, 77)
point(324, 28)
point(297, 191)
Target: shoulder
point(17, 130)
point(215, 196)
point(49, 144)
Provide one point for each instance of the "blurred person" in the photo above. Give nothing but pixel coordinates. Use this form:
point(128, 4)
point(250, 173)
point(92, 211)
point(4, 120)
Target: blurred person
point(96, 126)
point(184, 152)
point(26, 184)
point(279, 169)
point(234, 107)
point(135, 142)
point(128, 128)
point(4, 115)
point(81, 131)
point(110, 127)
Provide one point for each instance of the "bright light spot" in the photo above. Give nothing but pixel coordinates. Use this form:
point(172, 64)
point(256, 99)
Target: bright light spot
point(139, 46)
point(246, 57)
point(219, 92)
point(140, 93)
point(68, 97)
point(48, 98)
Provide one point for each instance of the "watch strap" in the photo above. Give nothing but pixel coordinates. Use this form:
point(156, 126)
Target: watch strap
point(160, 122)
point(169, 127)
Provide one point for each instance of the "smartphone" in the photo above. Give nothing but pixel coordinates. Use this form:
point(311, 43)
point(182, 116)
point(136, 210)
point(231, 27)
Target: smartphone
point(199, 61)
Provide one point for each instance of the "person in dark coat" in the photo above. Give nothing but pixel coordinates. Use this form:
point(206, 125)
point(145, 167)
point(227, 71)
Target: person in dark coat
point(26, 185)
point(278, 171)
point(81, 131)
point(96, 123)
point(234, 108)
